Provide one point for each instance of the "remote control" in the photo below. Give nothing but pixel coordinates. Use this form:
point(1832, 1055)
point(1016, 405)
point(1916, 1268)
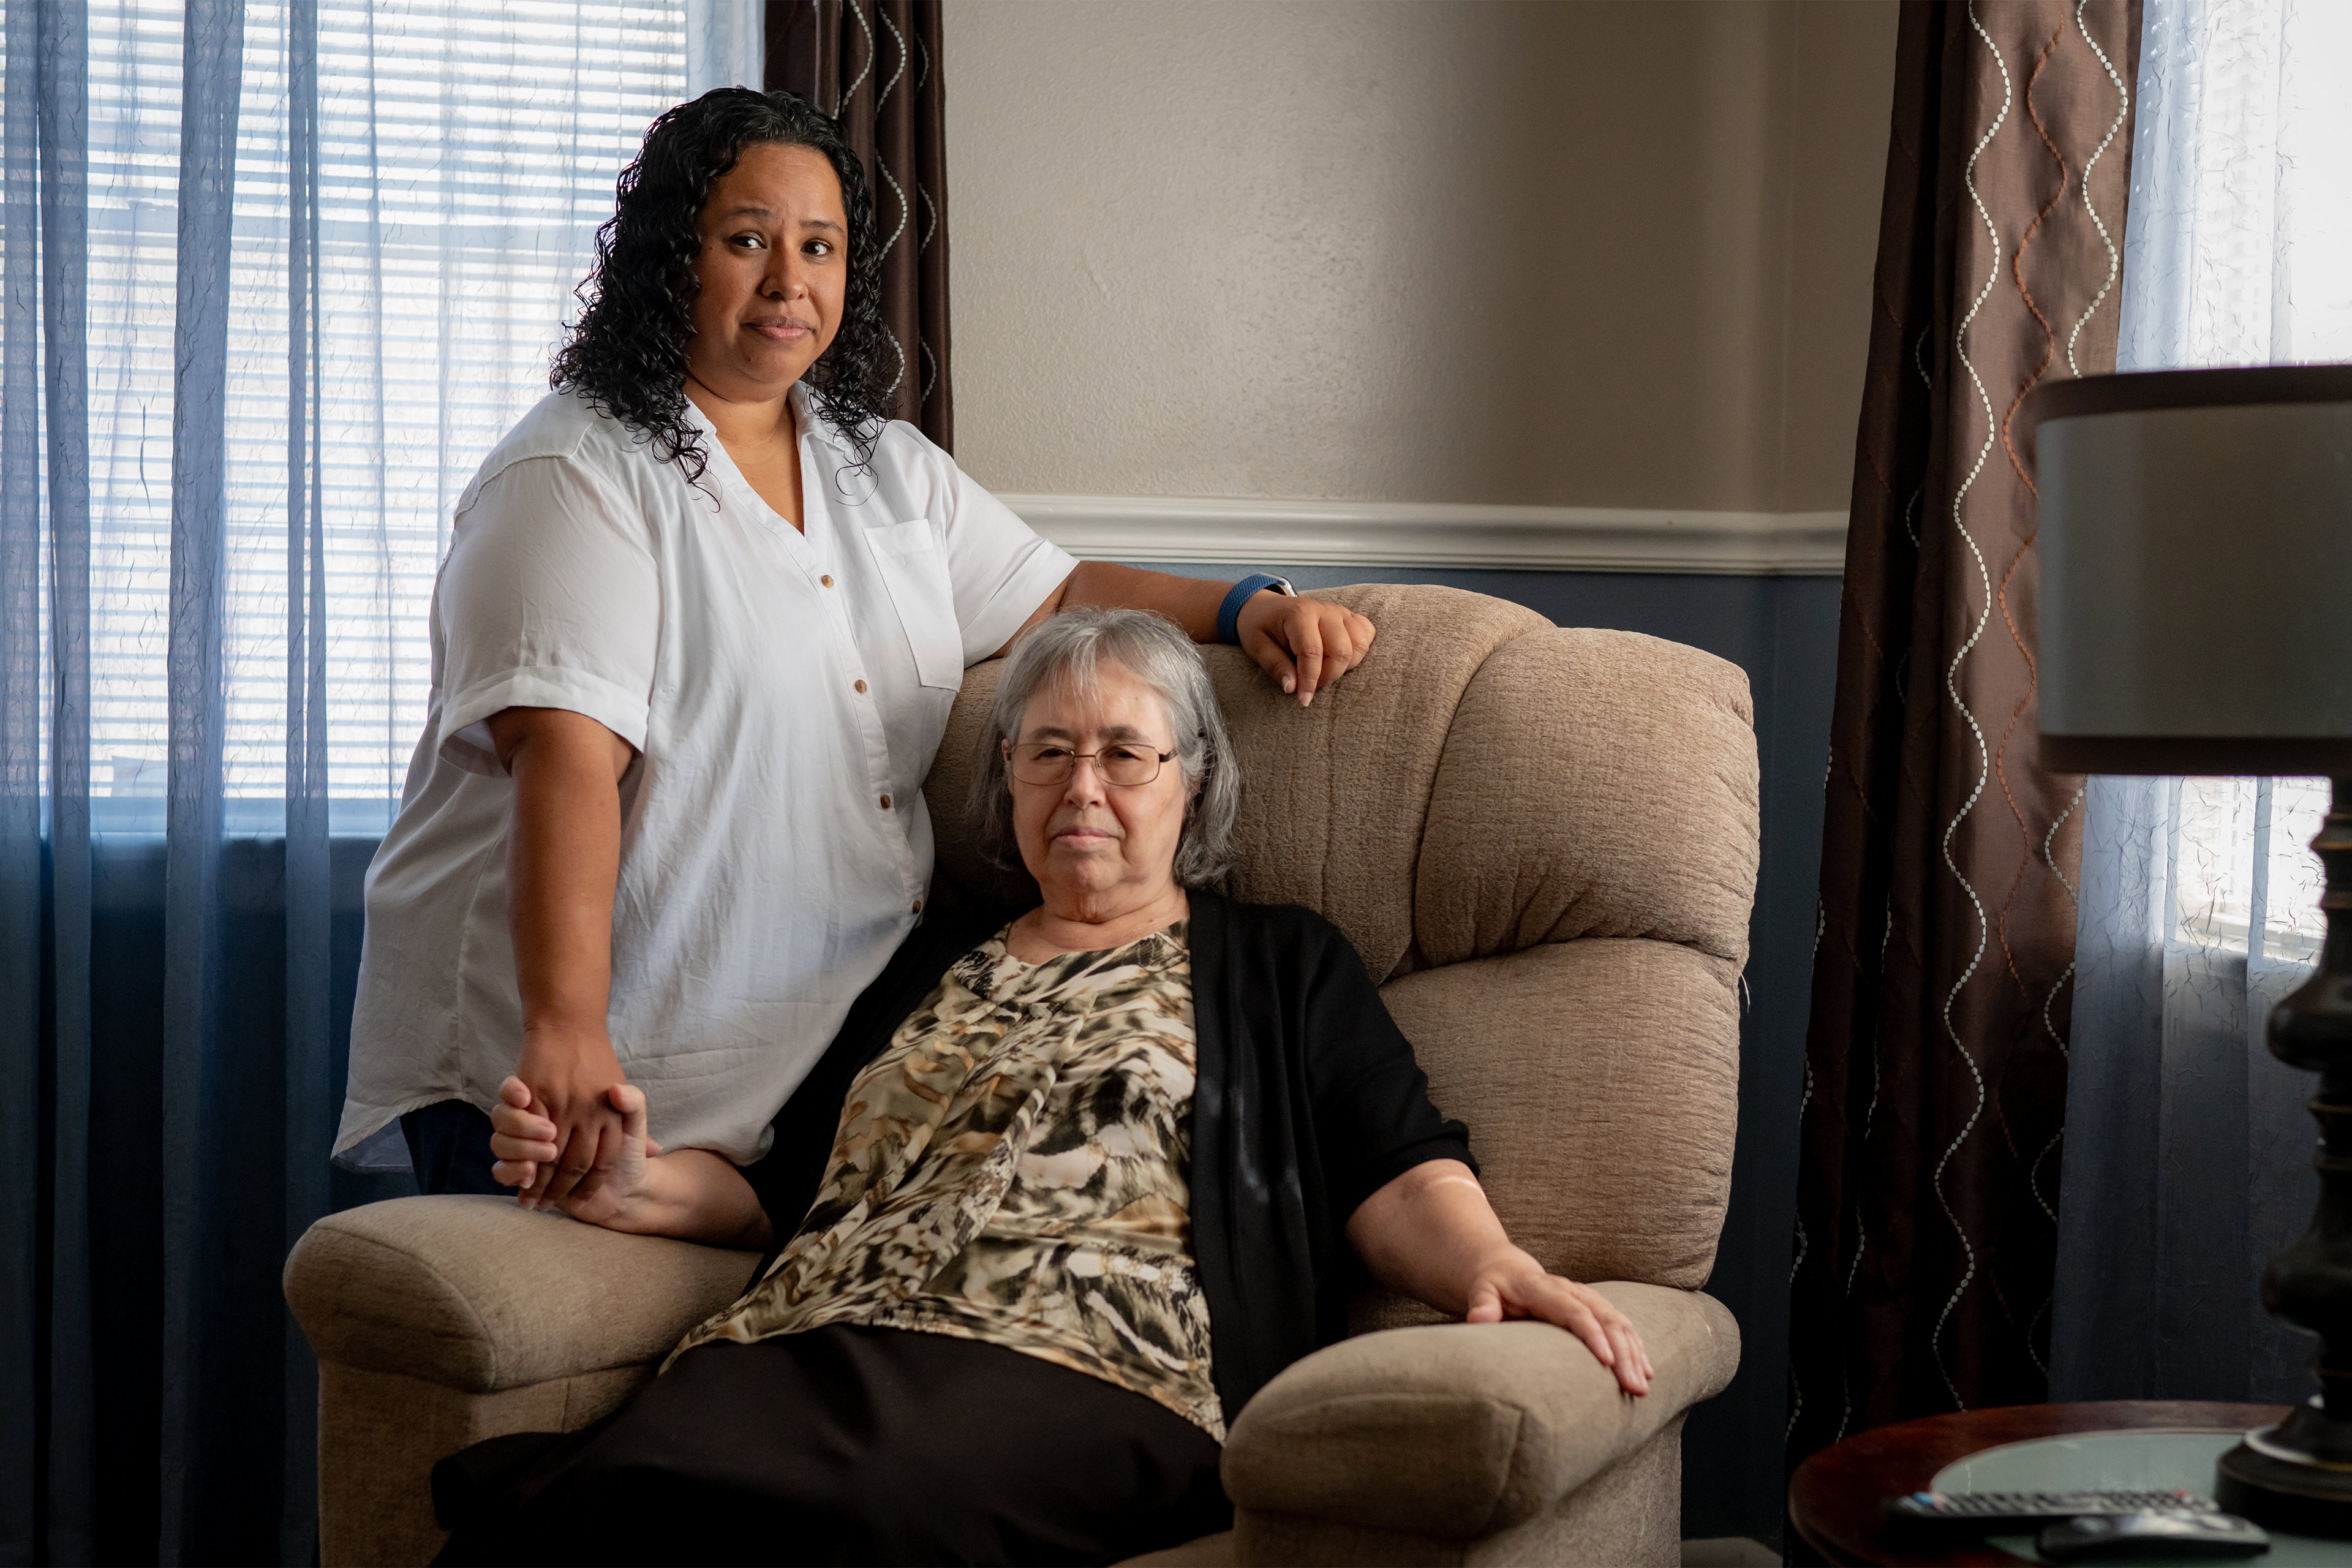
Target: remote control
point(2016, 1513)
point(2172, 1533)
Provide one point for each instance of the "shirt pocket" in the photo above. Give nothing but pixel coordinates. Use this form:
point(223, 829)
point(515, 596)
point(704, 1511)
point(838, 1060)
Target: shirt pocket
point(915, 571)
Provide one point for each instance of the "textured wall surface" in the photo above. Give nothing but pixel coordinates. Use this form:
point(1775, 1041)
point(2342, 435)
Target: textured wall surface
point(1594, 253)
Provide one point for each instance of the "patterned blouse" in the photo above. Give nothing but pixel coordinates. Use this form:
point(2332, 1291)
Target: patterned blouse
point(1012, 1169)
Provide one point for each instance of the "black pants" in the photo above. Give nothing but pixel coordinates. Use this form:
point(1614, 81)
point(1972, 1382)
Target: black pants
point(844, 1444)
point(449, 1149)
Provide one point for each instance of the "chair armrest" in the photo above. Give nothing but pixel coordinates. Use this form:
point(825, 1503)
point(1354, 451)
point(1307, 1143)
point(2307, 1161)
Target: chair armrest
point(479, 1296)
point(1459, 1430)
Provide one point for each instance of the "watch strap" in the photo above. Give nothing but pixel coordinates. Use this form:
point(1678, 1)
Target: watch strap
point(1229, 614)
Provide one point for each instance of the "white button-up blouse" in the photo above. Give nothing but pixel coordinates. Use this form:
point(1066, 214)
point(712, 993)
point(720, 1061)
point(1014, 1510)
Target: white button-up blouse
point(785, 690)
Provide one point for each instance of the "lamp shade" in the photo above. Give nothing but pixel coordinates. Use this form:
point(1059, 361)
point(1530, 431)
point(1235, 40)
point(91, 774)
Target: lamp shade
point(2196, 589)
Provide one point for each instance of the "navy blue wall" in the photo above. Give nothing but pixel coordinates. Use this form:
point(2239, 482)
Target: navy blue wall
point(1783, 632)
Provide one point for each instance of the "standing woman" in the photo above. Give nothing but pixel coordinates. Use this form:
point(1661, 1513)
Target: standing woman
point(703, 617)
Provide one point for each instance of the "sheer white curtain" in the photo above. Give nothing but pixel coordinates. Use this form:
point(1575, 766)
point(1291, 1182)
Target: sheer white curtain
point(726, 44)
point(276, 275)
point(2188, 1151)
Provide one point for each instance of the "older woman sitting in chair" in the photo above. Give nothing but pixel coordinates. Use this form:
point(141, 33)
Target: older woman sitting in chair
point(1067, 1196)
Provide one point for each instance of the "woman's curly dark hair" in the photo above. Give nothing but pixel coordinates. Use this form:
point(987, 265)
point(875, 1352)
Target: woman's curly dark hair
point(627, 356)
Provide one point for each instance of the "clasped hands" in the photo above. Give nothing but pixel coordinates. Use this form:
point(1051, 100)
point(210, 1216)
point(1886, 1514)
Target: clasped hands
point(527, 1154)
point(567, 1080)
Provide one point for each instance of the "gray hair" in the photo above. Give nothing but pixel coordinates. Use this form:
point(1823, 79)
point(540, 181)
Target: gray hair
point(1070, 648)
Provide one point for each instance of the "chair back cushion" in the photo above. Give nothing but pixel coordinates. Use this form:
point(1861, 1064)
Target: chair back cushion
point(1544, 841)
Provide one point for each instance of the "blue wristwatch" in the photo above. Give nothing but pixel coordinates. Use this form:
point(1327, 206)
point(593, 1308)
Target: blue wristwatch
point(1229, 614)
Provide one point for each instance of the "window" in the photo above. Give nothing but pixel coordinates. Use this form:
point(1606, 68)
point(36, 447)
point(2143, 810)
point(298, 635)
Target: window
point(2239, 252)
point(464, 154)
point(2244, 877)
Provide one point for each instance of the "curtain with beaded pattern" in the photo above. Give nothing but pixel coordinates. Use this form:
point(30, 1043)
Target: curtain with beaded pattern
point(874, 65)
point(1936, 1057)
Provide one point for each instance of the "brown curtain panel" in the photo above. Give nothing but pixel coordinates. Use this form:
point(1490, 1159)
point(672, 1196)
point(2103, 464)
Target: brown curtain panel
point(874, 65)
point(1936, 1061)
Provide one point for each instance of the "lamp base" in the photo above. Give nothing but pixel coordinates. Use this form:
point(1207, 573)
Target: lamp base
point(2295, 1476)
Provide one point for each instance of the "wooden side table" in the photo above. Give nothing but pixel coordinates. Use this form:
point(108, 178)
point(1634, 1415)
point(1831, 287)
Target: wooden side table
point(1834, 1498)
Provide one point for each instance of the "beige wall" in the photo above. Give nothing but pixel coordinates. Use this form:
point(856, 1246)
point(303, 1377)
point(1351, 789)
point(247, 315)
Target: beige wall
point(1607, 253)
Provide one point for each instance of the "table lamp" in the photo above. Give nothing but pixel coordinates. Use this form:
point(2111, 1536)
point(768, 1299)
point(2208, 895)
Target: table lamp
point(2196, 617)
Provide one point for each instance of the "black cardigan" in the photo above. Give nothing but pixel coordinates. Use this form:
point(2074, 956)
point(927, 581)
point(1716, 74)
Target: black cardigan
point(1306, 1100)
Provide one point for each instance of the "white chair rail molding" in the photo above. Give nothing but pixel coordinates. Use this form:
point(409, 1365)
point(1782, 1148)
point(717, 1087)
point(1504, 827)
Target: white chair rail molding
point(1179, 529)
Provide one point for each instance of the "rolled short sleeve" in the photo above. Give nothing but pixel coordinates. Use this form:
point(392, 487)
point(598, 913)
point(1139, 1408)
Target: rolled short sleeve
point(999, 567)
point(551, 598)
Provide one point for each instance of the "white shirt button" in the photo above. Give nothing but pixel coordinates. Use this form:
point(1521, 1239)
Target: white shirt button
point(826, 580)
point(886, 803)
point(861, 688)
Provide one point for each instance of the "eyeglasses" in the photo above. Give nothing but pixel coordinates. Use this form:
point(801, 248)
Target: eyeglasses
point(1124, 764)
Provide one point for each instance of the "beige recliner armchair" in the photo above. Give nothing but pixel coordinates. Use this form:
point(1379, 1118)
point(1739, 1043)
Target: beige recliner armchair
point(1544, 843)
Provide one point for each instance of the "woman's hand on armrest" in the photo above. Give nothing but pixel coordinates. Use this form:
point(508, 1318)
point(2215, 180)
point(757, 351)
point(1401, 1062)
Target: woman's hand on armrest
point(693, 1194)
point(1432, 1235)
